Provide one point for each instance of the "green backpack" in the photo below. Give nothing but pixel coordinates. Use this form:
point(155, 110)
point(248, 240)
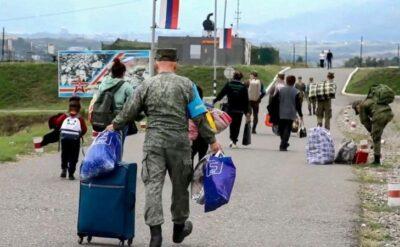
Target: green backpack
point(104, 108)
point(383, 94)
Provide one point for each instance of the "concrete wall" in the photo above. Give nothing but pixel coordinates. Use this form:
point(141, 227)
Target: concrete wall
point(200, 50)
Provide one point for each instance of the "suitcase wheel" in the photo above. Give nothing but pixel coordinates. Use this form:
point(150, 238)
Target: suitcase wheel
point(130, 241)
point(89, 239)
point(80, 240)
point(121, 243)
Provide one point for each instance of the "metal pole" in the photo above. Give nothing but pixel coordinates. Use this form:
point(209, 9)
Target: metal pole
point(306, 53)
point(215, 50)
point(153, 39)
point(361, 51)
point(2, 45)
point(398, 55)
point(226, 3)
point(294, 53)
point(237, 18)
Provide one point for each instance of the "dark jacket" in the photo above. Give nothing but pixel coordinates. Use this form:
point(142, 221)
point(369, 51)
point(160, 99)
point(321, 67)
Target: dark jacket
point(238, 97)
point(289, 103)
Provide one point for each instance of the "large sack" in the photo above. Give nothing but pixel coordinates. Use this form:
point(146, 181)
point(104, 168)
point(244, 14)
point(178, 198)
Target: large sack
point(197, 186)
point(102, 156)
point(346, 152)
point(320, 148)
point(221, 119)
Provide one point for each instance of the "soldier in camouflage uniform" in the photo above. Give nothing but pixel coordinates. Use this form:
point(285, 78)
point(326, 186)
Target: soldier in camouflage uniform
point(374, 117)
point(164, 99)
point(137, 77)
point(324, 107)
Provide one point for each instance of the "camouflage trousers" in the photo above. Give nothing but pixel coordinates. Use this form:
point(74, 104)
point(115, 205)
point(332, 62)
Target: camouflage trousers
point(376, 127)
point(156, 163)
point(324, 111)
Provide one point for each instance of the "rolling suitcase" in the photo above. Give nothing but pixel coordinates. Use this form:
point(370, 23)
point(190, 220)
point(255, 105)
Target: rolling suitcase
point(107, 205)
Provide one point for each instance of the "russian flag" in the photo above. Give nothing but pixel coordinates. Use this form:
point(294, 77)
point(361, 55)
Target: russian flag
point(169, 14)
point(225, 38)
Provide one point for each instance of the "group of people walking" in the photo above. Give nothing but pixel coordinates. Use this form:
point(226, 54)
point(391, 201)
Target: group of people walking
point(169, 100)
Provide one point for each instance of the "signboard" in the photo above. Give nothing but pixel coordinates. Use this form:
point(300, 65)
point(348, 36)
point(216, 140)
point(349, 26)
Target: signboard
point(80, 72)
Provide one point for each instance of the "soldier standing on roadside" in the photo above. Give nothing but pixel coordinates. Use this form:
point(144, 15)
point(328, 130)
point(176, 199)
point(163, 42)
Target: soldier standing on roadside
point(165, 100)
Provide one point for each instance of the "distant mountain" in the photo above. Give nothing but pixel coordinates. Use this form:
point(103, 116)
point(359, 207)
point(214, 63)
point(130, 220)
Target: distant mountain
point(375, 20)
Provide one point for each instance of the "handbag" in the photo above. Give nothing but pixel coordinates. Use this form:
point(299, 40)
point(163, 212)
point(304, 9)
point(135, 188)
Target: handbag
point(295, 126)
point(302, 132)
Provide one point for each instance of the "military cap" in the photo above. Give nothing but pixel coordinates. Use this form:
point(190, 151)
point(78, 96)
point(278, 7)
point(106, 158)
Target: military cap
point(139, 69)
point(167, 55)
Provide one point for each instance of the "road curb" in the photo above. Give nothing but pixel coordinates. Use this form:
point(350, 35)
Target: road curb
point(353, 94)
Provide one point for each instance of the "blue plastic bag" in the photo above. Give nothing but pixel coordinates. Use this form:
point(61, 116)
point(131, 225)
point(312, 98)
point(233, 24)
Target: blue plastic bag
point(102, 155)
point(219, 178)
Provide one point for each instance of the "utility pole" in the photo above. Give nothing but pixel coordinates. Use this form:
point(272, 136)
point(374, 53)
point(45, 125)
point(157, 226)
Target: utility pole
point(2, 45)
point(306, 55)
point(237, 18)
point(215, 50)
point(153, 39)
point(398, 55)
point(361, 50)
point(294, 53)
point(226, 3)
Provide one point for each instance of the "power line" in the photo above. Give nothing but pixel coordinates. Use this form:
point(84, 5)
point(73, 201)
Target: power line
point(65, 12)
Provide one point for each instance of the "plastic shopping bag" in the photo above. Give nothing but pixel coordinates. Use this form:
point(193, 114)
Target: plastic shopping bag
point(197, 187)
point(268, 121)
point(219, 178)
point(102, 155)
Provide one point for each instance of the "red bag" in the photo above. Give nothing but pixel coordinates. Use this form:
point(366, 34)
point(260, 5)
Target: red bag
point(361, 157)
point(268, 121)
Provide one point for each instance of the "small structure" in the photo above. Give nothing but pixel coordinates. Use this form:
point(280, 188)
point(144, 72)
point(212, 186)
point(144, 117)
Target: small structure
point(200, 50)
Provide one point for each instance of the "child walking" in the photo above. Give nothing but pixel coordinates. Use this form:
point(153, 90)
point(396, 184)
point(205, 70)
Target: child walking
point(72, 128)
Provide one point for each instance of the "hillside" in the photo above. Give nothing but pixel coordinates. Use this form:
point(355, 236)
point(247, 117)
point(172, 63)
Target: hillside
point(34, 86)
point(365, 78)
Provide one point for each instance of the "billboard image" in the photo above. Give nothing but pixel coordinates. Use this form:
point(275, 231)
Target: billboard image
point(79, 72)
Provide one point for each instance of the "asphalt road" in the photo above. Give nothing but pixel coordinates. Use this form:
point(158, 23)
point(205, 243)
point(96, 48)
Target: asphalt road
point(278, 199)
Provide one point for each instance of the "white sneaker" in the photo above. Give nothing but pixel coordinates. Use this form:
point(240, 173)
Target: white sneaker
point(232, 145)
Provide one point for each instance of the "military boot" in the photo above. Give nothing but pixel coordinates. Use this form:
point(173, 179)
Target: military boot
point(156, 236)
point(377, 160)
point(181, 231)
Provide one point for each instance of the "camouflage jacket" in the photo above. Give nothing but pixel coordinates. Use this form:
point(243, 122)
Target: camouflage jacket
point(370, 111)
point(164, 99)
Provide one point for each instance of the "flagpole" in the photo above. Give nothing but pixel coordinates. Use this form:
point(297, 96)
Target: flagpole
point(153, 39)
point(226, 3)
point(215, 50)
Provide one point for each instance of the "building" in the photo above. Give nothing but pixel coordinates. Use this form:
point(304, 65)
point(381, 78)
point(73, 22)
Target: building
point(200, 50)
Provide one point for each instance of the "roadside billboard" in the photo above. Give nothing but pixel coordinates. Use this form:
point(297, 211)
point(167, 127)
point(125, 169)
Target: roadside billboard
point(79, 72)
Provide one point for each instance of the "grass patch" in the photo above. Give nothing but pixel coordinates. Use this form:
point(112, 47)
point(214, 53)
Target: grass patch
point(34, 85)
point(21, 143)
point(365, 78)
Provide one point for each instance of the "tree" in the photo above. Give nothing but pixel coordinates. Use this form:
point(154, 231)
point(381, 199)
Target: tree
point(299, 59)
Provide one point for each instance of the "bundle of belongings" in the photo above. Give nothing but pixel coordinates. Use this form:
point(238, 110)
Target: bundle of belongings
point(320, 147)
point(322, 90)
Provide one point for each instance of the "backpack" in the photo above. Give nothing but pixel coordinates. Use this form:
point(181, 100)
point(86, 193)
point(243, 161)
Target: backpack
point(320, 149)
point(383, 94)
point(346, 152)
point(104, 108)
point(71, 128)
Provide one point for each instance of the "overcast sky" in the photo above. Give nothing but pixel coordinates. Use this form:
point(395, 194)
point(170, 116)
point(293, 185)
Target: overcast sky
point(135, 16)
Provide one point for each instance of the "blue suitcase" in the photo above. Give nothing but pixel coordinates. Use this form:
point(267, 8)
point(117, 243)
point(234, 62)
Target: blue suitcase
point(107, 206)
